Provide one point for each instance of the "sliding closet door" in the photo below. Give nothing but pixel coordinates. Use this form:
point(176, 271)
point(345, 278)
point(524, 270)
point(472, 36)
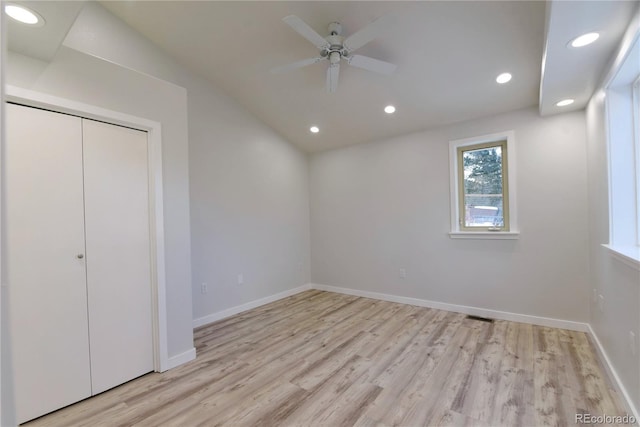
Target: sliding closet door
point(118, 257)
point(45, 260)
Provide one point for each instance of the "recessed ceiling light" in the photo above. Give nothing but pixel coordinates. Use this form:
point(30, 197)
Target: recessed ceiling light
point(314, 129)
point(564, 102)
point(24, 15)
point(389, 109)
point(585, 39)
point(503, 78)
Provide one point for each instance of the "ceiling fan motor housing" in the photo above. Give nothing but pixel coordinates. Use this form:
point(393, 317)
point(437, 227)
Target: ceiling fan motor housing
point(335, 29)
point(335, 44)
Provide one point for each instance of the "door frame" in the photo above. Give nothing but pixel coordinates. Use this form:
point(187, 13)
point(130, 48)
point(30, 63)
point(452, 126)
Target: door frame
point(35, 99)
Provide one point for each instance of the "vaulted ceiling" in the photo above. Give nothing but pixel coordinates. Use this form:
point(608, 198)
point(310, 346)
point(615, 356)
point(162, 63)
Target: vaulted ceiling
point(448, 55)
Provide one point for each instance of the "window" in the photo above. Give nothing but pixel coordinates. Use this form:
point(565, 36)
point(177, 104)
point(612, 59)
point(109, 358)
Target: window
point(482, 198)
point(636, 118)
point(481, 182)
point(622, 108)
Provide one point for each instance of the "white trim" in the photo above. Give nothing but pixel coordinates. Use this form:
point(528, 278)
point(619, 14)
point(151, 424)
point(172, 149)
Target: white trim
point(635, 99)
point(156, 207)
point(486, 235)
point(629, 38)
point(613, 374)
point(509, 135)
point(6, 392)
point(214, 317)
point(622, 76)
point(476, 311)
point(622, 168)
point(36, 99)
point(627, 255)
point(182, 358)
point(607, 126)
point(545, 54)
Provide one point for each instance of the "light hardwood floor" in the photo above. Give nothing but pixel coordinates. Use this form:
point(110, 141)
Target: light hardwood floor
point(320, 358)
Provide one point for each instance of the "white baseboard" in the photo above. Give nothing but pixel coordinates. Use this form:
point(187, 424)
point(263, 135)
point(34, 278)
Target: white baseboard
point(214, 317)
point(182, 358)
point(613, 375)
point(483, 312)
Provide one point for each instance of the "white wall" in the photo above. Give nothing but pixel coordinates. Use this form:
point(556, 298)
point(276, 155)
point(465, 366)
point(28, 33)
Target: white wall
point(7, 413)
point(249, 186)
point(249, 207)
point(617, 282)
point(383, 206)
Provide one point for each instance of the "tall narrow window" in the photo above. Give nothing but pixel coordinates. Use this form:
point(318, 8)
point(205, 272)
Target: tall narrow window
point(636, 118)
point(482, 187)
point(621, 94)
point(623, 141)
point(484, 201)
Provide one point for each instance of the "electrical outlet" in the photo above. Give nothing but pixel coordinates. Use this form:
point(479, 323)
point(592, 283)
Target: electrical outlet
point(403, 273)
point(240, 279)
point(632, 343)
point(203, 288)
point(601, 303)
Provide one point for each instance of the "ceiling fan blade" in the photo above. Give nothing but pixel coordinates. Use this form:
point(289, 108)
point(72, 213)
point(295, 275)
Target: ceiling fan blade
point(332, 77)
point(295, 65)
point(371, 64)
point(368, 33)
point(306, 31)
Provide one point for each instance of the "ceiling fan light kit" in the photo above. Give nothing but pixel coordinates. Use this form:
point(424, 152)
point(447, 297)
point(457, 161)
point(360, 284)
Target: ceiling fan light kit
point(335, 47)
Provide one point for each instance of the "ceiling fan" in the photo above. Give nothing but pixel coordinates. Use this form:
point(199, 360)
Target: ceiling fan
point(335, 47)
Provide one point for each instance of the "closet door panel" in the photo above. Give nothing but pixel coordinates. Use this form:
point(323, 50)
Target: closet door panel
point(118, 253)
point(46, 276)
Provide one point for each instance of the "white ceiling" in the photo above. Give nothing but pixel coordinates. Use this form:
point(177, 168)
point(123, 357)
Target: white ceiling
point(448, 55)
point(43, 42)
point(575, 72)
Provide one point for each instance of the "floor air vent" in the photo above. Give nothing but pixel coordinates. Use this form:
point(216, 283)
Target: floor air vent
point(481, 319)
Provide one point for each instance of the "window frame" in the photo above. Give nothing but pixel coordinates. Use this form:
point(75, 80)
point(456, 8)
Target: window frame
point(505, 185)
point(621, 106)
point(456, 147)
point(636, 131)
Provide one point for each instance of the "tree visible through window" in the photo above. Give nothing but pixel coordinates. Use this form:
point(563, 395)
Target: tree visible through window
point(482, 192)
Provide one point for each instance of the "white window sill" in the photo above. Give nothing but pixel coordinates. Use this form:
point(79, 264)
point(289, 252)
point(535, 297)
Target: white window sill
point(629, 255)
point(486, 235)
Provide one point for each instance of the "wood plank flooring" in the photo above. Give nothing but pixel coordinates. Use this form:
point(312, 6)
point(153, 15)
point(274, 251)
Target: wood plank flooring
point(320, 358)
